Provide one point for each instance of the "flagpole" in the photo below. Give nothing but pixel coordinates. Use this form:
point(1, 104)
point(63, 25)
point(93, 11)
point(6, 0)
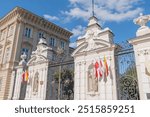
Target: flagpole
point(79, 81)
point(111, 77)
point(105, 81)
point(99, 84)
point(105, 89)
point(93, 7)
point(85, 78)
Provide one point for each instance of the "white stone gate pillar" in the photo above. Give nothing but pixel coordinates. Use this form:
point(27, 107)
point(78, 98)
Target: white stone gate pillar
point(38, 67)
point(141, 45)
point(19, 72)
point(94, 46)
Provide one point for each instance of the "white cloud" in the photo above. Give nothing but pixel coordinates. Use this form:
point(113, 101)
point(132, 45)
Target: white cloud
point(78, 30)
point(76, 13)
point(73, 45)
point(105, 10)
point(49, 17)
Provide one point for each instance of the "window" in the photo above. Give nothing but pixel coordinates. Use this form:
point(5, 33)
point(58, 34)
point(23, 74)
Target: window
point(53, 57)
point(11, 29)
point(28, 32)
point(7, 53)
point(0, 84)
point(52, 42)
point(41, 35)
point(62, 44)
point(25, 50)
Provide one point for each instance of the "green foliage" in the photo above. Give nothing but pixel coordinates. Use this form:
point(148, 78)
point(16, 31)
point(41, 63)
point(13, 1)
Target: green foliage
point(67, 83)
point(65, 74)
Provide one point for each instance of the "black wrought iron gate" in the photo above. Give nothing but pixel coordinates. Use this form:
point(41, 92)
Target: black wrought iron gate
point(127, 84)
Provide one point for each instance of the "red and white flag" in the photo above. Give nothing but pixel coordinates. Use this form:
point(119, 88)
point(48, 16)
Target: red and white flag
point(101, 69)
point(96, 69)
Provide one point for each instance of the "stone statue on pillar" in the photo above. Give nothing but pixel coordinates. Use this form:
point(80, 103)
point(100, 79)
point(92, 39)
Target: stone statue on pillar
point(92, 81)
point(142, 21)
point(23, 61)
point(36, 83)
point(147, 67)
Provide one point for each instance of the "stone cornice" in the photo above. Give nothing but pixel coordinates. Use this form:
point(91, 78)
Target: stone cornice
point(106, 31)
point(9, 16)
point(26, 16)
point(140, 39)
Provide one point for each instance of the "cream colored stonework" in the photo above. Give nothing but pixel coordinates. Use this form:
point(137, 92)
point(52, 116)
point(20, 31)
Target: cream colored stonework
point(141, 46)
point(13, 40)
point(92, 47)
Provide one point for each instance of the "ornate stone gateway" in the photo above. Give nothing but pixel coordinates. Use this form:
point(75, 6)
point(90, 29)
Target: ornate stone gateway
point(127, 84)
point(94, 49)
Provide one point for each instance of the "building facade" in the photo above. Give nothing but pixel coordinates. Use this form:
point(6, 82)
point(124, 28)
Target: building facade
point(20, 31)
point(29, 42)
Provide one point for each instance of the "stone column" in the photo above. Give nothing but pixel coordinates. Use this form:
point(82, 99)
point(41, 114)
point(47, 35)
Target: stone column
point(141, 45)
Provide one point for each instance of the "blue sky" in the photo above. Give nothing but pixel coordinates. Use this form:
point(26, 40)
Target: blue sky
point(73, 15)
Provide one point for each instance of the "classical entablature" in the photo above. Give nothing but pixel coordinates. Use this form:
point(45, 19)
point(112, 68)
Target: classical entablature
point(10, 15)
point(25, 16)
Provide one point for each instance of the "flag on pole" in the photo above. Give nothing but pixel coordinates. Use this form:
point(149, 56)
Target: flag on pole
point(26, 75)
point(23, 76)
point(96, 69)
point(101, 68)
point(106, 67)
